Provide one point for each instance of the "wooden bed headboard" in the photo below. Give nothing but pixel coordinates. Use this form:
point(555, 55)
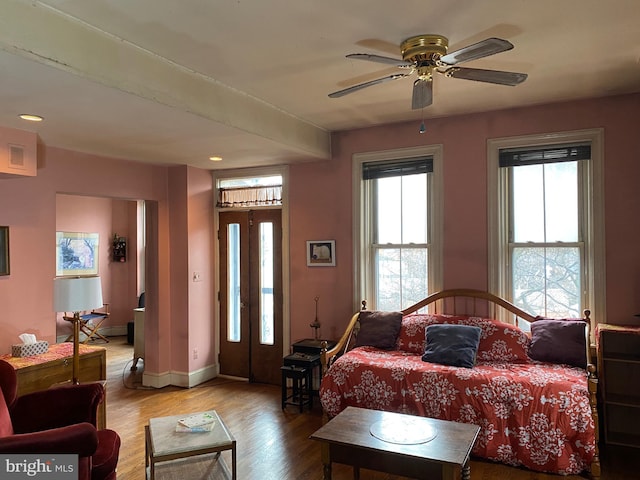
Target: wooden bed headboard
point(459, 301)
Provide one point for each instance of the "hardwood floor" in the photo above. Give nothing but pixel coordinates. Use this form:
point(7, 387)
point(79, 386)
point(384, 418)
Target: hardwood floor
point(271, 444)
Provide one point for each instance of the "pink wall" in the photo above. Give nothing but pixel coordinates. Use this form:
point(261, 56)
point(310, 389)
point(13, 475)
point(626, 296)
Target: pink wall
point(200, 349)
point(179, 228)
point(28, 206)
point(321, 202)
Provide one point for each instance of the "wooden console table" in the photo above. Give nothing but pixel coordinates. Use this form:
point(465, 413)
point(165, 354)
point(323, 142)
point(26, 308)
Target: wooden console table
point(39, 372)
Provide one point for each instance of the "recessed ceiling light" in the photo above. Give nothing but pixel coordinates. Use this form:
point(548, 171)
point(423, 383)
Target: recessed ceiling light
point(215, 158)
point(31, 118)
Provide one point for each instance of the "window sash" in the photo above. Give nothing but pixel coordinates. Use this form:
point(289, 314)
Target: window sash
point(590, 191)
point(507, 173)
point(363, 209)
point(375, 248)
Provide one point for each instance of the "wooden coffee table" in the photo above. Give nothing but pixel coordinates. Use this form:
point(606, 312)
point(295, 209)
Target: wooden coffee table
point(406, 449)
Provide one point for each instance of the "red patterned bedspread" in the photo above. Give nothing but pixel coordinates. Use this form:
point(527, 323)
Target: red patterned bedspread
point(531, 414)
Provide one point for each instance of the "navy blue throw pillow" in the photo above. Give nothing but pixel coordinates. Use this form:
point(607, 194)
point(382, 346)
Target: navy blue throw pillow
point(454, 345)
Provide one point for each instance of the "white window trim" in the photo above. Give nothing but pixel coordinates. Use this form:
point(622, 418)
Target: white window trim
point(594, 195)
point(359, 221)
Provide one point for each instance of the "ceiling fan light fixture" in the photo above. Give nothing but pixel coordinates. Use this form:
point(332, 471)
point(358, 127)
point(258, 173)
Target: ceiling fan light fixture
point(426, 54)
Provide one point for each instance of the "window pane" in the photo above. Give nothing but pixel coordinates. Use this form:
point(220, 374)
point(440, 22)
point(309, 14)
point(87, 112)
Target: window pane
point(266, 284)
point(233, 282)
point(414, 209)
point(402, 277)
point(545, 203)
point(388, 203)
point(528, 204)
point(546, 281)
point(561, 199)
point(401, 207)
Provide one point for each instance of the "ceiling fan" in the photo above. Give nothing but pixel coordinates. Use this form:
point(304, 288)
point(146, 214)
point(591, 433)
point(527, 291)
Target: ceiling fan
point(426, 54)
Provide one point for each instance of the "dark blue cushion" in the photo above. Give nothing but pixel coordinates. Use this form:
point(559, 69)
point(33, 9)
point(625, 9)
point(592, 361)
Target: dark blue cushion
point(454, 345)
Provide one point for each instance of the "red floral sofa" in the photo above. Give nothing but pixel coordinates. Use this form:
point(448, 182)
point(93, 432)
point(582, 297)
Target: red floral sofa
point(536, 414)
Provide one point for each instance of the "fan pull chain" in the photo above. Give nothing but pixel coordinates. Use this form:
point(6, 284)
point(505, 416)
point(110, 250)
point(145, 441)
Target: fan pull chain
point(422, 127)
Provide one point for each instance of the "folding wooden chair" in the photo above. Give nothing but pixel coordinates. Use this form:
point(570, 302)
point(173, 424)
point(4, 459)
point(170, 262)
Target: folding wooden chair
point(90, 323)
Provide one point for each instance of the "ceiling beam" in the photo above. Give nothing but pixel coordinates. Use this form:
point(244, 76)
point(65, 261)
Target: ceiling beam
point(43, 34)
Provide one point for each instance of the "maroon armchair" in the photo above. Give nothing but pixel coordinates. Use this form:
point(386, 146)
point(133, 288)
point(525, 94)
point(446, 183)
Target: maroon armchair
point(58, 420)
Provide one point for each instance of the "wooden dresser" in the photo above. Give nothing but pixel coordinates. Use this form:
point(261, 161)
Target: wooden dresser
point(39, 372)
point(619, 375)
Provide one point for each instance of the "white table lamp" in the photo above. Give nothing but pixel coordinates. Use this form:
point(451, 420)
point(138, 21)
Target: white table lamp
point(76, 294)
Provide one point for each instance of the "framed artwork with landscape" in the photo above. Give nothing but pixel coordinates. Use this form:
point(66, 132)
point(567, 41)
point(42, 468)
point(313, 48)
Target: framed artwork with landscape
point(321, 253)
point(76, 254)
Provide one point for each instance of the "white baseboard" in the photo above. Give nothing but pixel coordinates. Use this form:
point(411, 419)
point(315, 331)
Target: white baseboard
point(164, 379)
point(180, 379)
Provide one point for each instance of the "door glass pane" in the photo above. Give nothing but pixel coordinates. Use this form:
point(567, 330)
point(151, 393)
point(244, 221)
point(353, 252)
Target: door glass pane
point(547, 281)
point(266, 284)
point(233, 282)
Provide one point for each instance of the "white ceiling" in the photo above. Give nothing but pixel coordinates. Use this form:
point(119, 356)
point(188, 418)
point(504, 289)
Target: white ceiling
point(173, 82)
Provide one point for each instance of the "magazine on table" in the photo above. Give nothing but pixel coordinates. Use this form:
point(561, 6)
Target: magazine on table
point(200, 422)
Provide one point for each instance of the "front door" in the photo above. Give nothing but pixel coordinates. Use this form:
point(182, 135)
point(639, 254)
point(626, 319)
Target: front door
point(251, 294)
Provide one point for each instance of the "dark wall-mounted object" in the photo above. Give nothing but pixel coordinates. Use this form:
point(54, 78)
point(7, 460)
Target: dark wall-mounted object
point(4, 250)
point(119, 249)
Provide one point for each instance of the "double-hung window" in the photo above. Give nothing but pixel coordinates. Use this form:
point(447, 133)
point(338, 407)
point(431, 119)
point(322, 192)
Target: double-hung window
point(398, 207)
point(545, 230)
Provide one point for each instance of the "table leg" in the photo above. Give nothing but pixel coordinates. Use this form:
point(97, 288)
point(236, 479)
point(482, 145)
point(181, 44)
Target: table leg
point(234, 475)
point(466, 472)
point(326, 471)
point(325, 454)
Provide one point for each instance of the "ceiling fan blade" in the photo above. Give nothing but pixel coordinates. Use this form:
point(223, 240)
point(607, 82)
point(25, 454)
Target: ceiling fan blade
point(487, 47)
point(489, 76)
point(422, 93)
point(355, 88)
point(380, 59)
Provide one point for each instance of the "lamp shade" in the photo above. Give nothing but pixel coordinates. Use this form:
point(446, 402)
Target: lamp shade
point(74, 294)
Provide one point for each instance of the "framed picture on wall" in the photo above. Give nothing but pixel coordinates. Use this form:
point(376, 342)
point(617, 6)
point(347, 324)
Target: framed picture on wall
point(4, 250)
point(321, 253)
point(76, 254)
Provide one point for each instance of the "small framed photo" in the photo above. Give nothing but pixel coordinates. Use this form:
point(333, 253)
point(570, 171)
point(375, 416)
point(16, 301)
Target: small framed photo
point(4, 250)
point(321, 253)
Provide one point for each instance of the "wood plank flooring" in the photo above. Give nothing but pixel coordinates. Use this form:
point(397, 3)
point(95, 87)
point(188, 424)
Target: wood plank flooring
point(271, 444)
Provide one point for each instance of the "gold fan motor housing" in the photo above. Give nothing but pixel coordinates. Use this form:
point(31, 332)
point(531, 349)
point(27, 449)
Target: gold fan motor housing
point(422, 47)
